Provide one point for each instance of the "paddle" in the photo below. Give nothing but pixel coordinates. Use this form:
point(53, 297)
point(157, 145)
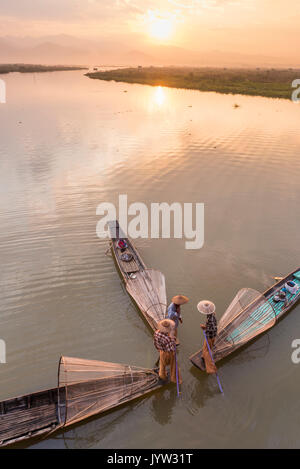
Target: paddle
point(218, 379)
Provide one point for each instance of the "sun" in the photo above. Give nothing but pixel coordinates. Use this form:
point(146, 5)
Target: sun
point(160, 27)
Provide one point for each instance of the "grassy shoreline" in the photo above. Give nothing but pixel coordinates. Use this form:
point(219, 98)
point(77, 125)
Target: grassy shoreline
point(270, 83)
point(29, 68)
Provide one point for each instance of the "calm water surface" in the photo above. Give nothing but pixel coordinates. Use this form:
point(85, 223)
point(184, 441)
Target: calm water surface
point(69, 143)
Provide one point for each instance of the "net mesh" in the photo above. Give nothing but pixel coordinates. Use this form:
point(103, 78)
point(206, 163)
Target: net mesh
point(149, 292)
point(249, 314)
point(95, 386)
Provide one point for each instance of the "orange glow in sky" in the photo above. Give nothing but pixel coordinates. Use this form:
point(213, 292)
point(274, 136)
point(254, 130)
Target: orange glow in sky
point(151, 32)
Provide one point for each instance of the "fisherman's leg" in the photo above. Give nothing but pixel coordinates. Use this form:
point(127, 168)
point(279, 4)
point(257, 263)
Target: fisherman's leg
point(173, 369)
point(162, 365)
point(210, 366)
point(172, 366)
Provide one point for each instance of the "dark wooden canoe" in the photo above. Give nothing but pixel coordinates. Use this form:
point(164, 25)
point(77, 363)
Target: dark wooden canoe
point(44, 412)
point(247, 324)
point(146, 286)
point(30, 416)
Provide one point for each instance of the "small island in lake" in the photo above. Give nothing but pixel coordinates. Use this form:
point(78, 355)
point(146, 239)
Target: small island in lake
point(273, 83)
point(30, 68)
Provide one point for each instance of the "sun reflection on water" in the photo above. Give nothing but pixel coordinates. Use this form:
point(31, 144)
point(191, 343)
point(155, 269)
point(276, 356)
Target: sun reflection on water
point(159, 96)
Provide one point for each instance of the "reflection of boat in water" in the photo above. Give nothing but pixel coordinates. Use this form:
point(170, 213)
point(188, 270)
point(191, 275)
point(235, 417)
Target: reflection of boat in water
point(85, 388)
point(146, 286)
point(250, 314)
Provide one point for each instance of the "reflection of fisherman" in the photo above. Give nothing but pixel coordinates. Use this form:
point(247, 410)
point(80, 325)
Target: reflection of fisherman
point(163, 402)
point(164, 341)
point(174, 310)
point(208, 308)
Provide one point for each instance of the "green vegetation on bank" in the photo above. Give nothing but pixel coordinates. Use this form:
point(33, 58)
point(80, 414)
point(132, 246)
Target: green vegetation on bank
point(25, 68)
point(273, 83)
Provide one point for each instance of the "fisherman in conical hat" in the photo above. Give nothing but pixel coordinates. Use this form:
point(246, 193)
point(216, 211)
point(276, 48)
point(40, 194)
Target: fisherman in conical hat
point(208, 308)
point(174, 310)
point(165, 343)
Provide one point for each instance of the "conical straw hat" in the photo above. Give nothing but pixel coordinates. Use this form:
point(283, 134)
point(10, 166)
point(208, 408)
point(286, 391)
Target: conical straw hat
point(180, 299)
point(206, 307)
point(167, 326)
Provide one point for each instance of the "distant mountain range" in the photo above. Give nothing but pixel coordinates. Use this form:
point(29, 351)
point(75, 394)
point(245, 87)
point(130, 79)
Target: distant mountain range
point(43, 52)
point(64, 49)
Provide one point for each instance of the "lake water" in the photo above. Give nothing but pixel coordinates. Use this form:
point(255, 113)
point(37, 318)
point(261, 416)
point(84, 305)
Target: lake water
point(69, 143)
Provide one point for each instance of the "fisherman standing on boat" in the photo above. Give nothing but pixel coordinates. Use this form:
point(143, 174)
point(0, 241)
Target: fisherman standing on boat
point(208, 308)
point(165, 343)
point(174, 310)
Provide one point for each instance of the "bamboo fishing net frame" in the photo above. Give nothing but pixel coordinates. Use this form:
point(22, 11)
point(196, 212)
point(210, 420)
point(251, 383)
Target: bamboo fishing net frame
point(249, 314)
point(93, 387)
point(148, 290)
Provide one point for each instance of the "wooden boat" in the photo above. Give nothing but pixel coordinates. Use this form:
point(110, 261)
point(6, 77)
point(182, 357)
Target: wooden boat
point(147, 287)
point(85, 388)
point(29, 416)
point(250, 314)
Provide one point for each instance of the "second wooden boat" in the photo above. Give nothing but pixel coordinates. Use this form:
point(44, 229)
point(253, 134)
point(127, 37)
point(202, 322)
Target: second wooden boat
point(250, 314)
point(147, 287)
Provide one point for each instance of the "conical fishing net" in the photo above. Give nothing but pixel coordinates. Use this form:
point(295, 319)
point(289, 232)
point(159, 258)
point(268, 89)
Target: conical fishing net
point(94, 386)
point(249, 314)
point(149, 292)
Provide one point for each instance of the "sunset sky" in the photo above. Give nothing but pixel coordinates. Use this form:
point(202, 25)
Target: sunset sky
point(264, 27)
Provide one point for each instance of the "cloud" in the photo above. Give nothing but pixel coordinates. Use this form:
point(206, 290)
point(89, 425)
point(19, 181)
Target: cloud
point(195, 22)
point(46, 9)
point(115, 10)
point(67, 9)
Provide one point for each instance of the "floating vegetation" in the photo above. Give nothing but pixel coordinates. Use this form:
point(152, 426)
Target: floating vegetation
point(256, 82)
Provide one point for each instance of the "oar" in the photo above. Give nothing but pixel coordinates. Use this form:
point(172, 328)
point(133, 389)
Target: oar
point(177, 374)
point(218, 379)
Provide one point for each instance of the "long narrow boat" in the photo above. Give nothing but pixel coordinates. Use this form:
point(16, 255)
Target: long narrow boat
point(85, 388)
point(147, 287)
point(250, 314)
